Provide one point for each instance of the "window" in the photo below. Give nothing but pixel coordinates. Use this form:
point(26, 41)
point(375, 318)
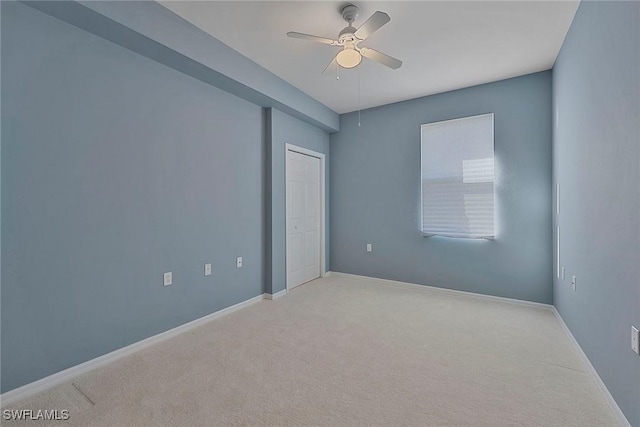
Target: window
point(457, 178)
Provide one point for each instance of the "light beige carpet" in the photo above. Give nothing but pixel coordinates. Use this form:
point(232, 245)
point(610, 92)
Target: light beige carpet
point(342, 352)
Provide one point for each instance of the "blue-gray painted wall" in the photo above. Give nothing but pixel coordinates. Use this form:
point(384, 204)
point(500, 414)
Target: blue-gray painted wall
point(283, 129)
point(116, 169)
point(375, 196)
point(596, 105)
point(148, 28)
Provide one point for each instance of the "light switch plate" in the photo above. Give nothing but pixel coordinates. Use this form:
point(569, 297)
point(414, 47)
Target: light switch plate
point(168, 278)
point(239, 262)
point(635, 340)
point(368, 247)
point(207, 269)
point(573, 282)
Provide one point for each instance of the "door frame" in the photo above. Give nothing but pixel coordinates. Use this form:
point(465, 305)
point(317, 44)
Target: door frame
point(321, 156)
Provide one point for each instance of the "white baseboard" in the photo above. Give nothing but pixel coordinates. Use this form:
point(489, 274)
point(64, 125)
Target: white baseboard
point(440, 290)
point(594, 374)
point(276, 295)
point(66, 375)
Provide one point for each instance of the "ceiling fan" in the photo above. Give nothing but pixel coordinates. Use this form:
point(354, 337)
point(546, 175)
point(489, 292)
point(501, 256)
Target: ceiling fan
point(350, 37)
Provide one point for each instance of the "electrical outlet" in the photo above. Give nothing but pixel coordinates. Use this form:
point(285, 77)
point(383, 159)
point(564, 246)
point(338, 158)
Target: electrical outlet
point(239, 262)
point(635, 340)
point(368, 247)
point(168, 278)
point(207, 269)
point(573, 282)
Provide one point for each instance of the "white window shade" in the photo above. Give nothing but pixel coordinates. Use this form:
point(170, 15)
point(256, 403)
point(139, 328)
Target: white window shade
point(457, 178)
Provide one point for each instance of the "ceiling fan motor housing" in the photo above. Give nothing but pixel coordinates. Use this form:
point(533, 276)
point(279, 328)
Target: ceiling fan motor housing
point(347, 35)
point(350, 13)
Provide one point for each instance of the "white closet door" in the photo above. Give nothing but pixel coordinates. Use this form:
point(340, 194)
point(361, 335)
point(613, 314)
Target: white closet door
point(303, 218)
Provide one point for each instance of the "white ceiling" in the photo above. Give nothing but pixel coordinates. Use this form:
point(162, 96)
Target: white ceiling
point(445, 45)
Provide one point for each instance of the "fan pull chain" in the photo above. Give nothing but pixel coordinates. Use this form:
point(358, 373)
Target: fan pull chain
point(359, 96)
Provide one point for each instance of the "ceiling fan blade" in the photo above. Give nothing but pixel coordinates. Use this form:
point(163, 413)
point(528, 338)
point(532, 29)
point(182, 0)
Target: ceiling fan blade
point(333, 64)
point(309, 37)
point(381, 58)
point(372, 24)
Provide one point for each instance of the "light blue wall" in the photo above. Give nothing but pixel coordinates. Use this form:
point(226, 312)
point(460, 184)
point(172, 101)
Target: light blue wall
point(283, 129)
point(375, 197)
point(116, 169)
point(148, 28)
point(596, 104)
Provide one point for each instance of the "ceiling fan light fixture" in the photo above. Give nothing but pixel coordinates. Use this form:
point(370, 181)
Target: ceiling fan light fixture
point(348, 58)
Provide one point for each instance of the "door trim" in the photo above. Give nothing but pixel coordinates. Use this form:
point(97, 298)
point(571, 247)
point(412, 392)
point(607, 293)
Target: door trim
point(321, 156)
